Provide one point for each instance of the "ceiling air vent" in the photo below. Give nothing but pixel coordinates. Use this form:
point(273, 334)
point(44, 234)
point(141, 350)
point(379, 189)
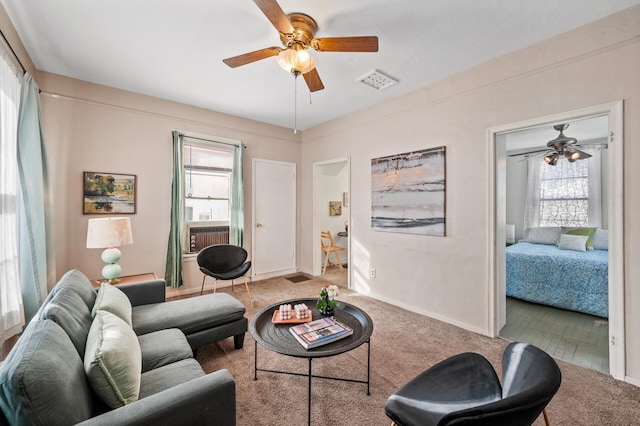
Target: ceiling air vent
point(377, 80)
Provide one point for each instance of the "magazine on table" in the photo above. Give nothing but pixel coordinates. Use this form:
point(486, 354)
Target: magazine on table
point(320, 332)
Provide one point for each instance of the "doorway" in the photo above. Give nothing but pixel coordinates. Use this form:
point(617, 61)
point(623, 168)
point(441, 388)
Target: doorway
point(497, 288)
point(569, 334)
point(331, 183)
point(274, 218)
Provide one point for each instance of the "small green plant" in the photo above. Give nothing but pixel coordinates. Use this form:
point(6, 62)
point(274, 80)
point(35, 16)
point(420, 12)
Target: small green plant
point(326, 301)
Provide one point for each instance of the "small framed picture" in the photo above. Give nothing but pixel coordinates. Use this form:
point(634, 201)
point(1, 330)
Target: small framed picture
point(335, 208)
point(109, 193)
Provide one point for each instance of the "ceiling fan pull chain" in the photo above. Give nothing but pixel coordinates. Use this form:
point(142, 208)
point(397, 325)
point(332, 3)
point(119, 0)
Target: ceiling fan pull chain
point(295, 103)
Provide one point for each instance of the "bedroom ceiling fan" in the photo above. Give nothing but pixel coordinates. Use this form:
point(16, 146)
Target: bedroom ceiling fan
point(297, 33)
point(562, 146)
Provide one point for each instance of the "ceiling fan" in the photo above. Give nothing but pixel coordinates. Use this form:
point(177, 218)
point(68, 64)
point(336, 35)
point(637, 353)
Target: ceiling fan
point(558, 147)
point(297, 33)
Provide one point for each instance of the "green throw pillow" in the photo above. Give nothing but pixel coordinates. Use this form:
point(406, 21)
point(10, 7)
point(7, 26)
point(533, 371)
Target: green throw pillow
point(112, 299)
point(113, 360)
point(589, 232)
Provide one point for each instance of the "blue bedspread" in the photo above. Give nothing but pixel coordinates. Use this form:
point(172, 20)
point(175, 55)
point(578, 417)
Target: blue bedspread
point(565, 279)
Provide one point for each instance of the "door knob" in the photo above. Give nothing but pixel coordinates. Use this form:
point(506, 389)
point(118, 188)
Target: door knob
point(258, 225)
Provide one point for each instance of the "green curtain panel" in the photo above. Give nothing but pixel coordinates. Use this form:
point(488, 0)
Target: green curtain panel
point(236, 226)
point(37, 262)
point(173, 274)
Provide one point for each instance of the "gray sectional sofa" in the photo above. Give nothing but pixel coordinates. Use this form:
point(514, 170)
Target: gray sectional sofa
point(120, 355)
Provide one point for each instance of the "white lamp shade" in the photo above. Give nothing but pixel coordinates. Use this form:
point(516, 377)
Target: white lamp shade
point(109, 232)
point(510, 233)
point(292, 60)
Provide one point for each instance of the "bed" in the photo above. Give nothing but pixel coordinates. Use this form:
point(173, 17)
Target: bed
point(567, 279)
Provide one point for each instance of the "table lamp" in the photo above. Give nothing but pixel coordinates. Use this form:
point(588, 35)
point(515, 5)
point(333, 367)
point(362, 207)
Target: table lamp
point(109, 233)
point(510, 233)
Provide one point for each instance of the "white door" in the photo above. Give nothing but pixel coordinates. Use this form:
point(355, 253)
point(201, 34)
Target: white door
point(274, 217)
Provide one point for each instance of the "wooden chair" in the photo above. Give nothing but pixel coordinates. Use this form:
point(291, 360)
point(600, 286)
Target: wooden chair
point(328, 247)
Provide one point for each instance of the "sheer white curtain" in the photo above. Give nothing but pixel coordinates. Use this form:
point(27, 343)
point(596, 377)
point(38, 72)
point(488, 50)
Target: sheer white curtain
point(12, 314)
point(532, 203)
point(595, 187)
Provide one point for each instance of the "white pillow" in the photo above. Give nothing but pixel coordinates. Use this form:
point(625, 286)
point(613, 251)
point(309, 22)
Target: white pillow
point(543, 235)
point(573, 242)
point(601, 239)
point(113, 300)
point(113, 360)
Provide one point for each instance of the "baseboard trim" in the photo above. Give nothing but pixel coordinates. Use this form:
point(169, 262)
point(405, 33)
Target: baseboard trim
point(430, 314)
point(632, 380)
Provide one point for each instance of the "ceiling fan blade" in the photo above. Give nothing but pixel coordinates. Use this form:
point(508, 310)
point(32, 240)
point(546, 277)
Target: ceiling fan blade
point(276, 15)
point(346, 44)
point(530, 152)
point(313, 80)
point(247, 58)
point(532, 155)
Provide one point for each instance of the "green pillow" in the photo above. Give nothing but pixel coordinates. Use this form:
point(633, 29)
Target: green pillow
point(589, 232)
point(113, 360)
point(112, 299)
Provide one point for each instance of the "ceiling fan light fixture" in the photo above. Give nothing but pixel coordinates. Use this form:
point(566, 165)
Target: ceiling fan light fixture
point(572, 155)
point(576, 154)
point(296, 61)
point(552, 159)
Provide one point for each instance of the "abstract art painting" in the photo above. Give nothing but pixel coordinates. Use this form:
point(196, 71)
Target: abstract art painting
point(408, 192)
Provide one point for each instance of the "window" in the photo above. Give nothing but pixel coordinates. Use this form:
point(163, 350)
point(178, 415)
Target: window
point(564, 194)
point(208, 172)
point(207, 180)
point(11, 309)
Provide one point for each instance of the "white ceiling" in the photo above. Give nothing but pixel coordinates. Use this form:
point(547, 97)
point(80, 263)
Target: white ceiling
point(173, 49)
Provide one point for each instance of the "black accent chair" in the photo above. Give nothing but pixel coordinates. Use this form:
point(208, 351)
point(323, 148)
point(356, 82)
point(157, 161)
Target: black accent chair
point(224, 262)
point(465, 390)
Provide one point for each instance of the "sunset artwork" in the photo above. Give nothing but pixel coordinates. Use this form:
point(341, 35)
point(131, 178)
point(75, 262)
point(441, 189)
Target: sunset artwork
point(408, 192)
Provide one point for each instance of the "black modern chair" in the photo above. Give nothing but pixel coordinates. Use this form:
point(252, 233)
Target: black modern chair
point(224, 262)
point(465, 390)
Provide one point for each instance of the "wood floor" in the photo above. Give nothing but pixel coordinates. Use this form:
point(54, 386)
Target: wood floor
point(577, 338)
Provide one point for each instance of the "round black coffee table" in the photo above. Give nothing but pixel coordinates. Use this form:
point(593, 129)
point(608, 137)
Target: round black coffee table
point(278, 338)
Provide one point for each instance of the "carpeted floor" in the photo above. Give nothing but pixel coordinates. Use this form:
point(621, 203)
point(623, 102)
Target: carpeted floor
point(403, 344)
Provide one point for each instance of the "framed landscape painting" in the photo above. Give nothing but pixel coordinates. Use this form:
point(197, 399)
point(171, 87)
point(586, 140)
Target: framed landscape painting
point(408, 192)
point(109, 193)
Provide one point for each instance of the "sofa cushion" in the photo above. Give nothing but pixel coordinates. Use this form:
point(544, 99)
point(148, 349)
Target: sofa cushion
point(163, 347)
point(113, 300)
point(68, 309)
point(113, 361)
point(189, 315)
point(78, 282)
point(42, 381)
point(168, 376)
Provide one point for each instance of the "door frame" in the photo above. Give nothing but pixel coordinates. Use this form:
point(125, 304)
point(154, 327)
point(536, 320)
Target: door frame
point(497, 199)
point(317, 264)
point(293, 269)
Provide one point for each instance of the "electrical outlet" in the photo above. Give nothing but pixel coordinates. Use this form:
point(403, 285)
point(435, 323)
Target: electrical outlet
point(372, 273)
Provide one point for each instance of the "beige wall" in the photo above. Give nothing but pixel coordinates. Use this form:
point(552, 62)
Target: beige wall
point(95, 128)
point(448, 278)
